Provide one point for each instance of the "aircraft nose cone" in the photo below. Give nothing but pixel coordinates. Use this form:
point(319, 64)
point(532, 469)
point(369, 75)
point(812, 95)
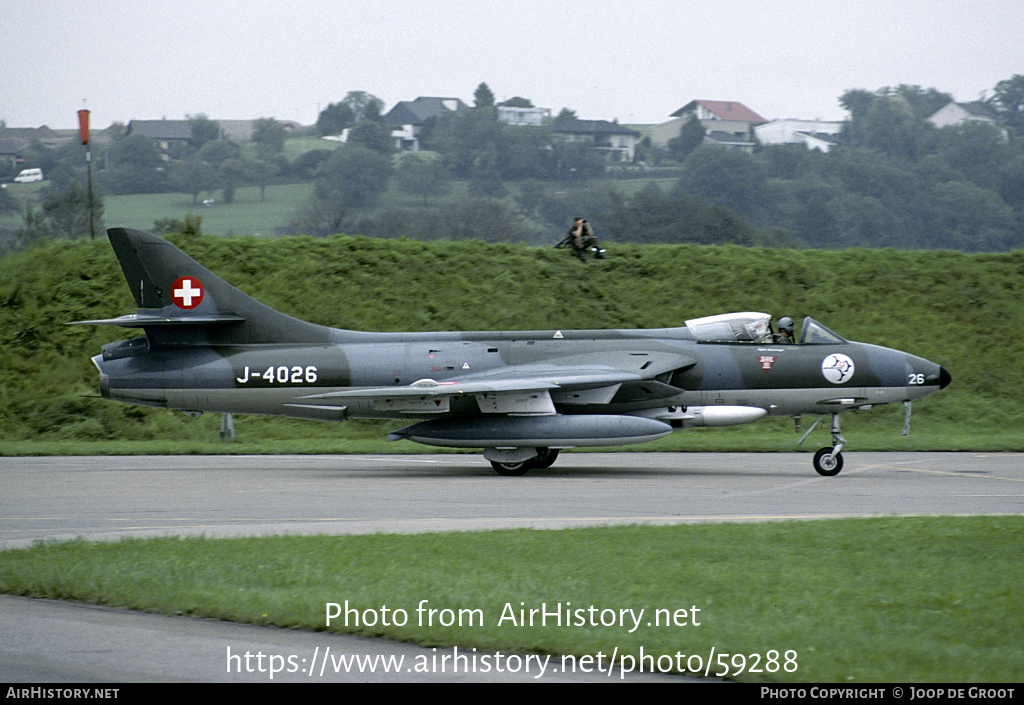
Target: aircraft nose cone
point(944, 378)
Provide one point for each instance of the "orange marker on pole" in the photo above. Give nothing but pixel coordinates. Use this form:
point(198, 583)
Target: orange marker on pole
point(83, 125)
point(83, 131)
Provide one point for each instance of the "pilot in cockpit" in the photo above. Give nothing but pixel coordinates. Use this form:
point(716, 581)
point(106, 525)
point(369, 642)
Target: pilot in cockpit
point(785, 335)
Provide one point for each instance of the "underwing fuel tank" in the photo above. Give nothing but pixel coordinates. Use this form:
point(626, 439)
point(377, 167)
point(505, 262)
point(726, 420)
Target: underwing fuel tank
point(555, 431)
point(715, 416)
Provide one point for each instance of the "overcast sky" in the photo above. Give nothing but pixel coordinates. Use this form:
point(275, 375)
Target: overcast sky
point(632, 60)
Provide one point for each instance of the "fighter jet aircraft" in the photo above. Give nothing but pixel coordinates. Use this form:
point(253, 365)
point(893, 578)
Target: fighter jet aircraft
point(520, 396)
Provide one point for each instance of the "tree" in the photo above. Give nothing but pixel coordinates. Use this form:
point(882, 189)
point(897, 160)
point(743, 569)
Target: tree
point(461, 138)
point(353, 177)
point(892, 120)
point(691, 135)
point(8, 204)
point(306, 164)
point(203, 130)
point(728, 177)
point(261, 172)
point(483, 97)
point(891, 126)
point(652, 217)
point(523, 152)
point(1011, 184)
point(364, 106)
point(973, 219)
point(231, 174)
point(857, 102)
point(268, 134)
point(218, 151)
point(575, 161)
point(976, 150)
point(192, 175)
point(134, 165)
point(924, 102)
point(335, 119)
point(1008, 102)
point(67, 208)
point(422, 177)
point(486, 182)
point(372, 135)
point(860, 219)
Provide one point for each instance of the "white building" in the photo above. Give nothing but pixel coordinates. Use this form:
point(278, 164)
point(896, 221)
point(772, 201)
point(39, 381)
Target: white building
point(956, 113)
point(530, 117)
point(813, 134)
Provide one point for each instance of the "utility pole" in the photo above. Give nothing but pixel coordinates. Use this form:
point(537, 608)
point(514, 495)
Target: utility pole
point(83, 130)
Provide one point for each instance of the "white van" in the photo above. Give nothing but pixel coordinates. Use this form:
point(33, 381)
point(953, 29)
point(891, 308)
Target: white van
point(27, 176)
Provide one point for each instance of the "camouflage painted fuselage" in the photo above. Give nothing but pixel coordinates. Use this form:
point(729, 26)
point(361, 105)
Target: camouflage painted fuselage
point(209, 347)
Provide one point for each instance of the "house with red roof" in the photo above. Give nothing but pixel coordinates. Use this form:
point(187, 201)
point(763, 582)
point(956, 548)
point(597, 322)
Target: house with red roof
point(727, 123)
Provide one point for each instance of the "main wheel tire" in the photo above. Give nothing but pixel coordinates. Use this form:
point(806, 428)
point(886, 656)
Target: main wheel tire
point(545, 458)
point(512, 469)
point(826, 465)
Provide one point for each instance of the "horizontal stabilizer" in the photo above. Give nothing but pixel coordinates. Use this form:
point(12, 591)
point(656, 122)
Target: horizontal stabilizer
point(141, 320)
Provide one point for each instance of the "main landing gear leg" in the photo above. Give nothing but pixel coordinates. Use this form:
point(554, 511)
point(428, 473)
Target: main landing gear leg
point(829, 461)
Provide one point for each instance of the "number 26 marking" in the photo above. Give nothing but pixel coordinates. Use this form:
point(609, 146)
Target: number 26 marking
point(916, 378)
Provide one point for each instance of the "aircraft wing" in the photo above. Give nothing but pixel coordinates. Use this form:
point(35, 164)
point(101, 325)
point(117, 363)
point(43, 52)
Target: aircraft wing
point(490, 384)
point(526, 389)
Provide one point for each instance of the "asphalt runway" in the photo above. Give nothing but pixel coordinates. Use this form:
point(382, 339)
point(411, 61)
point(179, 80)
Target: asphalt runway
point(105, 498)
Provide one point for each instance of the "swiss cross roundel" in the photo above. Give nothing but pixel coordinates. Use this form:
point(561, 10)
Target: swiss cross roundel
point(187, 292)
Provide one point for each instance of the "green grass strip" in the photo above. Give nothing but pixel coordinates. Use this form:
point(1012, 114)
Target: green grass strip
point(866, 600)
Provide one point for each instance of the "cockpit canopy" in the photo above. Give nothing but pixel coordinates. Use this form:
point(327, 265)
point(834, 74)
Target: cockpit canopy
point(754, 329)
point(746, 327)
point(813, 333)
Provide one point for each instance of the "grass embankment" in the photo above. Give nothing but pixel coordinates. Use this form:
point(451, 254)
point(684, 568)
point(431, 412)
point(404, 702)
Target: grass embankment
point(961, 311)
point(860, 600)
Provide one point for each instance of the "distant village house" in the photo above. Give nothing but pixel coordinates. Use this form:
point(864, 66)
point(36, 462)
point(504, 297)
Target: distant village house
point(727, 123)
point(814, 134)
point(613, 139)
point(408, 118)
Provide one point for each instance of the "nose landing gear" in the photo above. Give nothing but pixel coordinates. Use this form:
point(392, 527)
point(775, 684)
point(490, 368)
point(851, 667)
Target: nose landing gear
point(828, 461)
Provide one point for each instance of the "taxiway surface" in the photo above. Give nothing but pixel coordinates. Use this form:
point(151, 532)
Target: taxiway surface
point(108, 497)
point(104, 498)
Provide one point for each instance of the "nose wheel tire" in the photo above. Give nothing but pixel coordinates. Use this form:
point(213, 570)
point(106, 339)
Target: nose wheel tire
point(827, 465)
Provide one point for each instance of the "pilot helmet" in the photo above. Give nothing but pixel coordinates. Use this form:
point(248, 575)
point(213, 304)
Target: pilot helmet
point(786, 324)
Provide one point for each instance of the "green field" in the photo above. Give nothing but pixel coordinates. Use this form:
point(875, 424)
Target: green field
point(842, 601)
point(245, 215)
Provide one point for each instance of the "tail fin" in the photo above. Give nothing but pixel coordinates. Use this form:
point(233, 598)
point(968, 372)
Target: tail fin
point(182, 302)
